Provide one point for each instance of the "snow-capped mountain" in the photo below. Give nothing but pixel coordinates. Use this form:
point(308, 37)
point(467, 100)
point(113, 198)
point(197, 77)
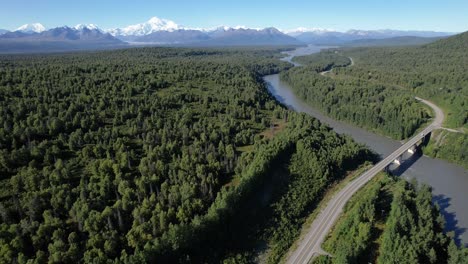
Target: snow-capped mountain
point(87, 26)
point(330, 37)
point(166, 32)
point(222, 36)
point(82, 33)
point(386, 33)
point(153, 25)
point(31, 28)
point(300, 30)
point(224, 28)
point(220, 30)
point(58, 39)
point(247, 36)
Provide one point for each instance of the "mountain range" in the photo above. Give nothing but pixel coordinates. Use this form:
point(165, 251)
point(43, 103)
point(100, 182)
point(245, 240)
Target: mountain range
point(57, 39)
point(156, 31)
point(219, 37)
point(330, 37)
point(393, 41)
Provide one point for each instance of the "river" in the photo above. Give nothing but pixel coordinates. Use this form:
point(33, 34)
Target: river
point(449, 181)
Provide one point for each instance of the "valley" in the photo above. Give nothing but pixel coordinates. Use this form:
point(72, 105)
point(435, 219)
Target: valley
point(233, 132)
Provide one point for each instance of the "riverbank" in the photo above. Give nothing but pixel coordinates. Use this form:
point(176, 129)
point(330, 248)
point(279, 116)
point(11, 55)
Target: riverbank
point(448, 181)
point(326, 82)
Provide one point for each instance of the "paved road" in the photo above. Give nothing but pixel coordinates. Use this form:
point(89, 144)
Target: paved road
point(325, 72)
point(309, 246)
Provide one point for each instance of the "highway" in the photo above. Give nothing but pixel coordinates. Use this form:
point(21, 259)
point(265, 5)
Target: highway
point(310, 245)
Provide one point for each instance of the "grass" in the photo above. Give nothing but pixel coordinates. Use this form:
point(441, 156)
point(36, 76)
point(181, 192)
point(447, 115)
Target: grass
point(449, 111)
point(233, 183)
point(278, 125)
point(449, 146)
point(246, 148)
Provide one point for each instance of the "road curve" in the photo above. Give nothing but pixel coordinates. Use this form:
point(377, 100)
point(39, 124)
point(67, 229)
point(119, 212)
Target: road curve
point(309, 246)
point(325, 72)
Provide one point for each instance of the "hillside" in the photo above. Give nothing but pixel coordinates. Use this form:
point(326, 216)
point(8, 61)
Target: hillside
point(174, 37)
point(436, 71)
point(248, 37)
point(367, 37)
point(377, 107)
point(391, 42)
point(383, 76)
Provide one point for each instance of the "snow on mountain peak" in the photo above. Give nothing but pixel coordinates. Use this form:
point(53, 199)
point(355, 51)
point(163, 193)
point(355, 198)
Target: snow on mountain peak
point(88, 26)
point(226, 28)
point(31, 28)
point(300, 30)
point(152, 25)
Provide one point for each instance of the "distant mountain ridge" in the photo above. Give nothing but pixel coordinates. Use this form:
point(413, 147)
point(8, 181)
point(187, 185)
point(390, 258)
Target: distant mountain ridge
point(164, 31)
point(244, 37)
point(329, 37)
point(220, 37)
point(392, 42)
point(57, 39)
point(82, 33)
point(167, 32)
point(174, 37)
point(157, 31)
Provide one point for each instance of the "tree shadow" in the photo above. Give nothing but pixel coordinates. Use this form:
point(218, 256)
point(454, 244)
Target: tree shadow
point(451, 222)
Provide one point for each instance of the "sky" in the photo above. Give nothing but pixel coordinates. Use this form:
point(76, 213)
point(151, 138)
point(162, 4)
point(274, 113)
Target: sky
point(341, 15)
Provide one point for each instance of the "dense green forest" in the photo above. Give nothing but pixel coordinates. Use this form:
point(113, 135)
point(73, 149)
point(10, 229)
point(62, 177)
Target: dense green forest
point(383, 75)
point(383, 108)
point(155, 154)
point(437, 72)
point(391, 221)
point(104, 153)
point(317, 158)
point(167, 155)
point(323, 61)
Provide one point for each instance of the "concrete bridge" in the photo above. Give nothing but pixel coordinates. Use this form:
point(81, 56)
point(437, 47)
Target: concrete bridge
point(309, 246)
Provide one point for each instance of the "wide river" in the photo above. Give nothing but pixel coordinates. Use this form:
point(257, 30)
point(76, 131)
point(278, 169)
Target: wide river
point(449, 181)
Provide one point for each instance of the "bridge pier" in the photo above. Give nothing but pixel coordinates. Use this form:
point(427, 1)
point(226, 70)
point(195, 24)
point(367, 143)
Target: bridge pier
point(412, 150)
point(397, 161)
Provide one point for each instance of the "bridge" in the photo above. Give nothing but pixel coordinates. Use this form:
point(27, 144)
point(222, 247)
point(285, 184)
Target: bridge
point(309, 246)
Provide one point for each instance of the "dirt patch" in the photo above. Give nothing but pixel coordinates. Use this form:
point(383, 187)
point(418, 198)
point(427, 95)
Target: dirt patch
point(276, 127)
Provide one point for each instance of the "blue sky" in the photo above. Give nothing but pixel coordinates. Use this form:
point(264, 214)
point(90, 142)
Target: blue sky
point(439, 15)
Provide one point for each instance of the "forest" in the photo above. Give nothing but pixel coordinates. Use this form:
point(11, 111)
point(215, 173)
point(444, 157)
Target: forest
point(392, 221)
point(381, 76)
point(154, 154)
point(167, 155)
point(436, 72)
point(323, 61)
point(383, 108)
